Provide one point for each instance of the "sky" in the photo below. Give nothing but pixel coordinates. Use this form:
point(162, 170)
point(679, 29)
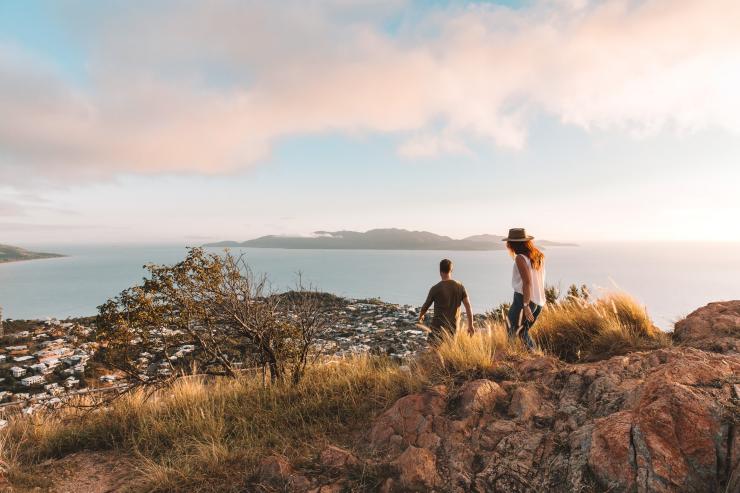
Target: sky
point(188, 121)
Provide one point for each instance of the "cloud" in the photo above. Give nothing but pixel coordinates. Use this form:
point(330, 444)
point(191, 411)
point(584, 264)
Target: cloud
point(196, 87)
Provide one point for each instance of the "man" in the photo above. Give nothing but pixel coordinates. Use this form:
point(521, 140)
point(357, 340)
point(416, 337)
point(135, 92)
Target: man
point(447, 295)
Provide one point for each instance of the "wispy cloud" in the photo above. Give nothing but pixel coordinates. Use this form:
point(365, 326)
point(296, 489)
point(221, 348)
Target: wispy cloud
point(209, 87)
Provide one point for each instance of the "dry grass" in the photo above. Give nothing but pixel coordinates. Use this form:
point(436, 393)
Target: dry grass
point(577, 330)
point(210, 436)
point(462, 357)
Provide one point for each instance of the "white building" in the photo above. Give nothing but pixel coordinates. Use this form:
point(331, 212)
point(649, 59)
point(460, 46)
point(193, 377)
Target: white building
point(2, 358)
point(21, 359)
point(71, 382)
point(32, 380)
point(17, 371)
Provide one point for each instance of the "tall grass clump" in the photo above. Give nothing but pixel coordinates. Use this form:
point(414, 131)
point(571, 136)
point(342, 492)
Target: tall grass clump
point(579, 330)
point(461, 356)
point(209, 435)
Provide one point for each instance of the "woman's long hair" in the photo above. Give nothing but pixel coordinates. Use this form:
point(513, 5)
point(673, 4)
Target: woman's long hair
point(527, 248)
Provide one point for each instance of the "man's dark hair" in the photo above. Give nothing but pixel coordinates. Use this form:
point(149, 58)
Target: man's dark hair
point(445, 266)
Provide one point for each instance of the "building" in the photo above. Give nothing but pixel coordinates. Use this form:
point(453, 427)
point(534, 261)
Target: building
point(71, 382)
point(32, 380)
point(17, 371)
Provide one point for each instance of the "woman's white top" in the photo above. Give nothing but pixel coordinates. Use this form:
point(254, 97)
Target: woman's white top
point(538, 281)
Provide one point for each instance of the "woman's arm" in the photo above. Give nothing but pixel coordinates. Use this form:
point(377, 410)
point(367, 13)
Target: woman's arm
point(526, 275)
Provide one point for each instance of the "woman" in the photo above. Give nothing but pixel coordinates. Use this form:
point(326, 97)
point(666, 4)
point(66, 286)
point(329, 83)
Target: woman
point(528, 281)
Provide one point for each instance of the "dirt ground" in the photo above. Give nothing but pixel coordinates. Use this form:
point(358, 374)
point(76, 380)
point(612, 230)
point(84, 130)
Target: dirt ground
point(82, 472)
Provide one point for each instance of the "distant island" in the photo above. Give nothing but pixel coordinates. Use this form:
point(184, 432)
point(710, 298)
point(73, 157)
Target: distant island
point(378, 239)
point(10, 253)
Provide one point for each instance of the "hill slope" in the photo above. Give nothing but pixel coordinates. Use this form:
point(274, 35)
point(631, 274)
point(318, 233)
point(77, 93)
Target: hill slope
point(10, 253)
point(662, 420)
point(377, 239)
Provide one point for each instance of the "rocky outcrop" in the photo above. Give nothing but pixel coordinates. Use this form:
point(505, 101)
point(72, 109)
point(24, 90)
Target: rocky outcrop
point(655, 421)
point(715, 327)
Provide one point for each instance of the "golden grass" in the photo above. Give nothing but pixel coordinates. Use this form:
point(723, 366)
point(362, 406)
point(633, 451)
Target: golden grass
point(460, 356)
point(210, 436)
point(577, 330)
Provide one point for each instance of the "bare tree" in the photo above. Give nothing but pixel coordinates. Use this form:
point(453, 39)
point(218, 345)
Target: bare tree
point(209, 314)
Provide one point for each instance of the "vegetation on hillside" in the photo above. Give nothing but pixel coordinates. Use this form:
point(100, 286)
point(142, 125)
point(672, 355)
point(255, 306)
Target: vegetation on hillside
point(209, 433)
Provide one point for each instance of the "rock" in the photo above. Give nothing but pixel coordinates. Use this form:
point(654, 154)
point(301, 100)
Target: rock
point(479, 395)
point(715, 327)
point(409, 418)
point(525, 403)
point(417, 469)
point(612, 454)
point(277, 471)
point(275, 468)
point(337, 458)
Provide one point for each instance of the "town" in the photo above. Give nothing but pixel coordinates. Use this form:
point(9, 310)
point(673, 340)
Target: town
point(45, 363)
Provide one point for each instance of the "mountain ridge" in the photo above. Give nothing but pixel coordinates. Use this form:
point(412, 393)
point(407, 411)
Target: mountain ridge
point(378, 239)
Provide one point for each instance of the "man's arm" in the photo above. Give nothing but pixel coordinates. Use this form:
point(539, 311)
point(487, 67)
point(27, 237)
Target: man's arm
point(425, 307)
point(469, 312)
point(521, 264)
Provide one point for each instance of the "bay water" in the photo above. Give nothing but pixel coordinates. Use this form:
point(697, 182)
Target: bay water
point(670, 279)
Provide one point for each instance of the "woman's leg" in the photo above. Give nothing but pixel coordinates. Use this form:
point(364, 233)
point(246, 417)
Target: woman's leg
point(515, 314)
point(536, 309)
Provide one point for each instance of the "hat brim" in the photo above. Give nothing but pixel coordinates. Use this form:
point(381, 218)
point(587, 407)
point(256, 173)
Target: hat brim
point(527, 238)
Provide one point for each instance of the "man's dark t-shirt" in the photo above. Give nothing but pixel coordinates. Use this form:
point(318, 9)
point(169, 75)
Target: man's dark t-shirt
point(446, 296)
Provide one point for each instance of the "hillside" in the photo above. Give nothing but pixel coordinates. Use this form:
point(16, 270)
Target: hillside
point(10, 253)
point(377, 239)
point(639, 414)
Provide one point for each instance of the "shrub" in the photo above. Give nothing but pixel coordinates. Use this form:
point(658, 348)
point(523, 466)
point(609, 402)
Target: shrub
point(577, 330)
point(209, 313)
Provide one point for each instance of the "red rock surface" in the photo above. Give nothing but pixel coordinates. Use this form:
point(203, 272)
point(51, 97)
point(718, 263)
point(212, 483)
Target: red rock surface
point(715, 327)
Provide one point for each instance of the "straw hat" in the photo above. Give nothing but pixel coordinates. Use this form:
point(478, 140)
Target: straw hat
point(518, 234)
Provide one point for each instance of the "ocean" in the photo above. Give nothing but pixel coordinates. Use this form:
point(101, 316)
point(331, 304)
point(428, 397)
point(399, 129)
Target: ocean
point(670, 279)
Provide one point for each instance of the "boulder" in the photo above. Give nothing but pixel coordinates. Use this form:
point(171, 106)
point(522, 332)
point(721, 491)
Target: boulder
point(410, 418)
point(337, 458)
point(525, 403)
point(715, 327)
point(417, 469)
point(479, 396)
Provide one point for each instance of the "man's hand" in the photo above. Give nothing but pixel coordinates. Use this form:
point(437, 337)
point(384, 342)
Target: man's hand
point(471, 331)
point(528, 313)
